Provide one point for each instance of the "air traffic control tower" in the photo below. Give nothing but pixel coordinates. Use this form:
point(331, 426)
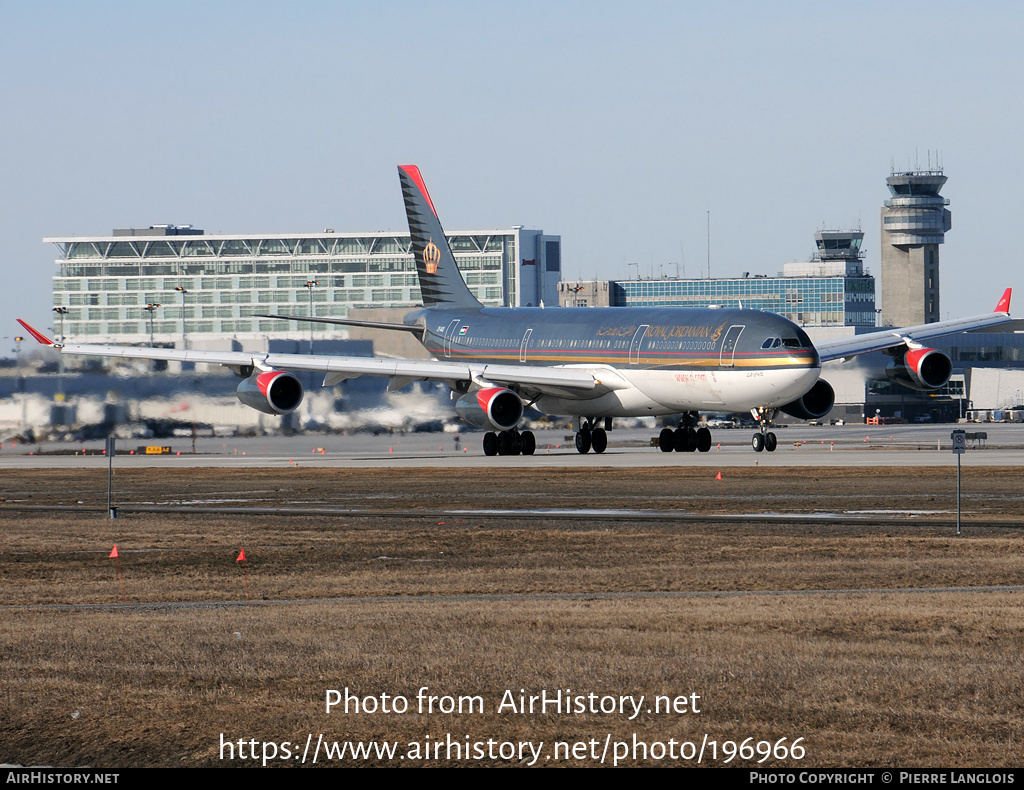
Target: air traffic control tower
point(914, 222)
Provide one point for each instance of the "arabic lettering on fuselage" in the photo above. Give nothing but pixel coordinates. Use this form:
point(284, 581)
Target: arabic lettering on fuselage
point(665, 332)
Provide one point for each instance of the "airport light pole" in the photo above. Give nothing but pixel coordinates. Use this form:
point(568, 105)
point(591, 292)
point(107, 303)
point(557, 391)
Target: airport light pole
point(310, 285)
point(184, 339)
point(61, 311)
point(151, 308)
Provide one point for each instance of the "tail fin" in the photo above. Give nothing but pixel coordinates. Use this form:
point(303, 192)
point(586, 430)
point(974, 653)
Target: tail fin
point(1004, 303)
point(441, 282)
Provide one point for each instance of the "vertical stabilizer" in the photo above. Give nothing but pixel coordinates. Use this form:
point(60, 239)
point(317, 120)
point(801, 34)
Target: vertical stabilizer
point(441, 282)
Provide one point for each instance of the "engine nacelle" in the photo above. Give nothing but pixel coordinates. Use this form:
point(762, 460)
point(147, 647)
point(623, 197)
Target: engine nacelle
point(271, 392)
point(493, 408)
point(921, 369)
point(816, 402)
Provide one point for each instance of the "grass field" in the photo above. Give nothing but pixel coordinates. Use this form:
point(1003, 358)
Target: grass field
point(839, 635)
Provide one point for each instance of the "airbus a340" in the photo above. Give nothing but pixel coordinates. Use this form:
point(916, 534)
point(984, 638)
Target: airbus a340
point(591, 364)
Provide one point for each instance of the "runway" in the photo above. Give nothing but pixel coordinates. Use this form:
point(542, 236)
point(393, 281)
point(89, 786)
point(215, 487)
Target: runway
point(799, 446)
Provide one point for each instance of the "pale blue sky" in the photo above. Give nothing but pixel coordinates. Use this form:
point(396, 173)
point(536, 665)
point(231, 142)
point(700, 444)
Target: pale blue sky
point(616, 126)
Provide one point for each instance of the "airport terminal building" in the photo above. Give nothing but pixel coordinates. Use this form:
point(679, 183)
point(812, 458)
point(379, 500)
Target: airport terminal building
point(831, 290)
point(180, 285)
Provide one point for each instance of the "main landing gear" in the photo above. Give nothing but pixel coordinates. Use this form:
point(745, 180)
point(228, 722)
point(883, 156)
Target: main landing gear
point(510, 443)
point(765, 440)
point(589, 437)
point(687, 438)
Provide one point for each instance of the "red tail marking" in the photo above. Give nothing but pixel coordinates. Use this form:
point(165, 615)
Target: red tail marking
point(414, 173)
point(37, 335)
point(1004, 303)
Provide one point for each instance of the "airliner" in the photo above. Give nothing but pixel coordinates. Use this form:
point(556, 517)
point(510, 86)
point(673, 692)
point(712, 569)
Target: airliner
point(589, 364)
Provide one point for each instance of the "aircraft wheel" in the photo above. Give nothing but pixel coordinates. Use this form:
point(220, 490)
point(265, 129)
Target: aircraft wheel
point(490, 443)
point(703, 440)
point(679, 440)
point(666, 440)
point(529, 443)
point(691, 440)
point(599, 440)
point(771, 441)
point(506, 443)
point(757, 443)
point(583, 441)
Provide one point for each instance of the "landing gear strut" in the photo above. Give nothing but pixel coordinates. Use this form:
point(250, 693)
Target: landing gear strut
point(510, 442)
point(687, 438)
point(765, 439)
point(589, 437)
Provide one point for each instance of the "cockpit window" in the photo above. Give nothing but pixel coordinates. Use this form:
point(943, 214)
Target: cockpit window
point(791, 342)
point(772, 342)
point(767, 343)
point(777, 343)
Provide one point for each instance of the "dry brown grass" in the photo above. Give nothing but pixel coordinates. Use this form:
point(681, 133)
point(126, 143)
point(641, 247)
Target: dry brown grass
point(905, 679)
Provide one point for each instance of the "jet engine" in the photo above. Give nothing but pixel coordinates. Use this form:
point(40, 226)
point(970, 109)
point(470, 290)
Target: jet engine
point(921, 369)
point(493, 408)
point(271, 392)
point(815, 403)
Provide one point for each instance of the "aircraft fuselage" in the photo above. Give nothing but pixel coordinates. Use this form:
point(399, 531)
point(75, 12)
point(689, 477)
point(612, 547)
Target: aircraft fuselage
point(659, 360)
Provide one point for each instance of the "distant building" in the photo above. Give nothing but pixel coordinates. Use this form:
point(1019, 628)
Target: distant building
point(832, 289)
point(206, 288)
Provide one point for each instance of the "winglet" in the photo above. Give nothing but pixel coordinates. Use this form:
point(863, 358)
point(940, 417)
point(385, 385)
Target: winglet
point(1004, 303)
point(37, 335)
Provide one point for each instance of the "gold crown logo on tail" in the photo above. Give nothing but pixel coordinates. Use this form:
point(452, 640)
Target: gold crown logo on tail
point(431, 257)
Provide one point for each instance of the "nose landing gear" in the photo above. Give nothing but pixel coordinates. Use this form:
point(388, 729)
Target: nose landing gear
point(765, 440)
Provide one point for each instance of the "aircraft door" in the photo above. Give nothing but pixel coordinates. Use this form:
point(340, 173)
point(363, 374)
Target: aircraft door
point(524, 344)
point(727, 359)
point(449, 335)
point(634, 347)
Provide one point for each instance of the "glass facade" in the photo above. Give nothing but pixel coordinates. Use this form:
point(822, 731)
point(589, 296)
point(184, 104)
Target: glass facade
point(107, 283)
point(808, 301)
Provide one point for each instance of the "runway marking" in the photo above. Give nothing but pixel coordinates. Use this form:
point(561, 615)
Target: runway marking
point(851, 518)
point(504, 597)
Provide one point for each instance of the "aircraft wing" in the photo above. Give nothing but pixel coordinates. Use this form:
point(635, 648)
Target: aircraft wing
point(533, 379)
point(846, 347)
